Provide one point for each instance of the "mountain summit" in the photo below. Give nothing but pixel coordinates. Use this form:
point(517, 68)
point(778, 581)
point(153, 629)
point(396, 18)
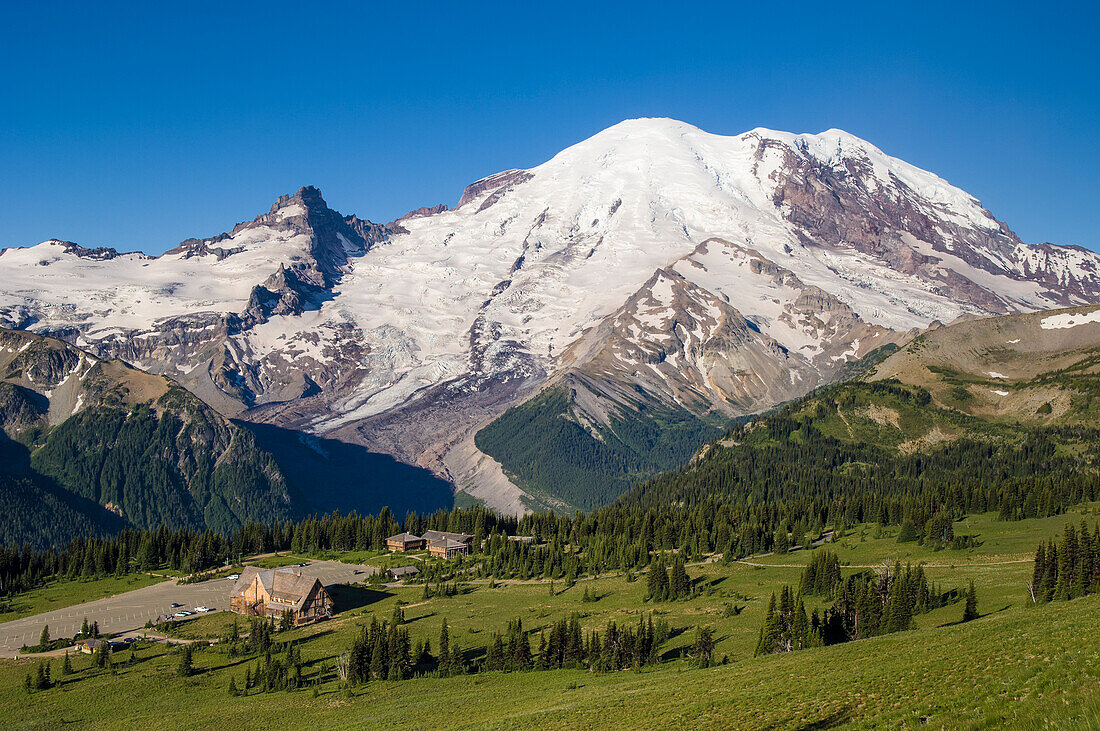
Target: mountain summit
point(652, 268)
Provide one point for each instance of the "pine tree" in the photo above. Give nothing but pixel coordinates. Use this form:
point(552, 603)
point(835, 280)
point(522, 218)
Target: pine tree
point(185, 668)
point(679, 583)
point(67, 665)
point(233, 686)
point(44, 638)
point(765, 645)
point(102, 655)
point(970, 611)
point(444, 643)
point(378, 660)
point(703, 647)
point(657, 583)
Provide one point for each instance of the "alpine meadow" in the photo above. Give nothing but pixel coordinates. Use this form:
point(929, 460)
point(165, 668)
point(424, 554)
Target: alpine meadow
point(655, 424)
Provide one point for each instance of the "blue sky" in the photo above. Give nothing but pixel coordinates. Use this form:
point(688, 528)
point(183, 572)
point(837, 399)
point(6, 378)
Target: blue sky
point(136, 127)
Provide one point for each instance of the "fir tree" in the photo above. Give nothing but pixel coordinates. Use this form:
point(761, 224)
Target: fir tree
point(679, 583)
point(444, 643)
point(702, 649)
point(970, 611)
point(44, 638)
point(657, 581)
point(184, 669)
point(67, 665)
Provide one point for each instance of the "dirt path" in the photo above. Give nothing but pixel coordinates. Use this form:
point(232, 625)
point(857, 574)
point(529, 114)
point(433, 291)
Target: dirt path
point(956, 565)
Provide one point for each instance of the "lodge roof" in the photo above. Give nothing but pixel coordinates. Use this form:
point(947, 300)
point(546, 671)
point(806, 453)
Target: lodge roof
point(439, 535)
point(403, 571)
point(287, 588)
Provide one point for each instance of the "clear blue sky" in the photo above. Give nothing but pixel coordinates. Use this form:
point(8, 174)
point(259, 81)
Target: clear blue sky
point(137, 127)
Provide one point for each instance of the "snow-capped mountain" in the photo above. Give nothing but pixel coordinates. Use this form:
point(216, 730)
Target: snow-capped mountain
point(651, 262)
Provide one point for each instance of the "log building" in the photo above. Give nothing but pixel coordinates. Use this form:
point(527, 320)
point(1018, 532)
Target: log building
point(273, 592)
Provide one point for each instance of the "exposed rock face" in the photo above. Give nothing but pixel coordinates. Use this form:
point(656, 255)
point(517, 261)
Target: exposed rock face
point(652, 263)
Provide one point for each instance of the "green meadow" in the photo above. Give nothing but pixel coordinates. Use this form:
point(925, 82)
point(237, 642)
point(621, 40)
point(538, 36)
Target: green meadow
point(1018, 665)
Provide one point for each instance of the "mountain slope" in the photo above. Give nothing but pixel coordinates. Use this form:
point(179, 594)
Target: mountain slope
point(652, 266)
point(1002, 409)
point(1038, 368)
point(92, 436)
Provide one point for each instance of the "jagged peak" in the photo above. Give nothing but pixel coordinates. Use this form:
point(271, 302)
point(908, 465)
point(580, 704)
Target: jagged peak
point(308, 195)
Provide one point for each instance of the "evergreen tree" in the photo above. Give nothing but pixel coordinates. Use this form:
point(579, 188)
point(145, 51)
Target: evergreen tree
point(702, 649)
point(44, 638)
point(908, 532)
point(378, 661)
point(765, 645)
point(970, 611)
point(444, 643)
point(679, 583)
point(102, 655)
point(67, 665)
point(657, 584)
point(184, 669)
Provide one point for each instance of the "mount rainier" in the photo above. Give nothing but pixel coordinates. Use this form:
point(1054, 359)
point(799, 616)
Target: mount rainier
point(651, 270)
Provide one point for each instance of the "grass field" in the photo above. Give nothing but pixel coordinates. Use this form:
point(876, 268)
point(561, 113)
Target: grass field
point(60, 594)
point(1015, 666)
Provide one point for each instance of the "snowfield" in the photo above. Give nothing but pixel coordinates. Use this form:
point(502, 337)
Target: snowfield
point(1057, 322)
point(532, 261)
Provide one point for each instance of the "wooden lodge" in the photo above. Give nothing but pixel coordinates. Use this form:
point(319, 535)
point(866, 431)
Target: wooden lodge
point(403, 542)
point(448, 545)
point(273, 592)
point(440, 544)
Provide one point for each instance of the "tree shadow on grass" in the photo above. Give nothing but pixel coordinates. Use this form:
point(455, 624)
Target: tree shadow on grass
point(833, 720)
point(980, 615)
point(346, 597)
point(417, 619)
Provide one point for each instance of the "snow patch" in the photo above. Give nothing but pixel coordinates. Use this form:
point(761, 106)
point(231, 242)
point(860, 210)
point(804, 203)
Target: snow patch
point(1060, 322)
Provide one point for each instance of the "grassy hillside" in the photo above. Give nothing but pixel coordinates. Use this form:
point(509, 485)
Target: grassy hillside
point(1035, 370)
point(549, 452)
point(1018, 665)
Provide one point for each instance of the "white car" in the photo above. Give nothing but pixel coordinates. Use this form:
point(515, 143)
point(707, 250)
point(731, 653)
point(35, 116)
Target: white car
point(233, 577)
point(181, 614)
point(202, 609)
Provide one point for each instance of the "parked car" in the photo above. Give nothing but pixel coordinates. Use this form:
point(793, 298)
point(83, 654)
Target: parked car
point(176, 604)
point(202, 609)
point(234, 577)
point(180, 614)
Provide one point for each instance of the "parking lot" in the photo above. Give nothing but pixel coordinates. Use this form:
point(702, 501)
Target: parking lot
point(130, 611)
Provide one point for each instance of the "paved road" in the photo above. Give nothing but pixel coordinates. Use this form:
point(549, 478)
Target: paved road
point(131, 610)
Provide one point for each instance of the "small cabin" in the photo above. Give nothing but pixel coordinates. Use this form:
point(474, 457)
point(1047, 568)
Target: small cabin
point(402, 572)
